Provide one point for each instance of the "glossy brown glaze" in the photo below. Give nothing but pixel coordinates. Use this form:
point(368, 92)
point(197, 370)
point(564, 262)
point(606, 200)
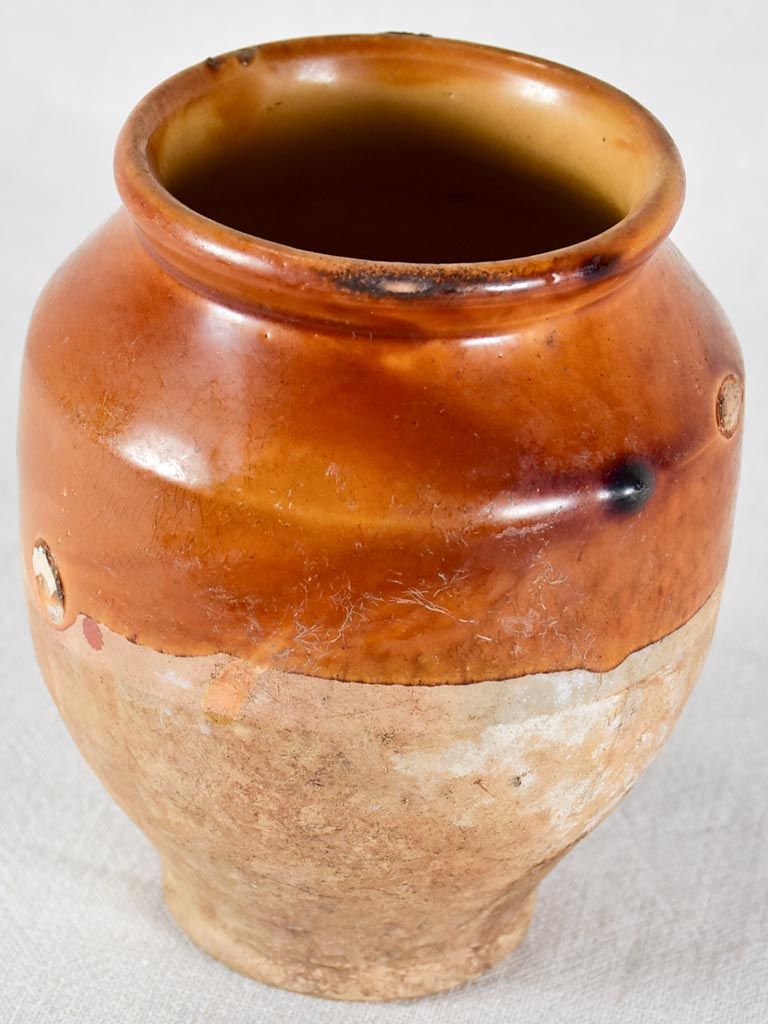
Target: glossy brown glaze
point(386, 509)
point(400, 472)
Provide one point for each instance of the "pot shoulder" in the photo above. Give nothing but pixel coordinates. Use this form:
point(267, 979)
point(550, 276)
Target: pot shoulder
point(384, 509)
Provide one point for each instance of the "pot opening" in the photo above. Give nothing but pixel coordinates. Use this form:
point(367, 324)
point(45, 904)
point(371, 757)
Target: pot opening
point(388, 182)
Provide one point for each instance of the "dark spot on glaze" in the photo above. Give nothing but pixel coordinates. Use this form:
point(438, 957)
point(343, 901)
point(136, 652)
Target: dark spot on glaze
point(246, 55)
point(214, 63)
point(598, 265)
point(93, 634)
point(418, 35)
point(628, 487)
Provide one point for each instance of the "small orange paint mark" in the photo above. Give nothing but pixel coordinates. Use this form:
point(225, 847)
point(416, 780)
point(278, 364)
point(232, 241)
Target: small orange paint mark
point(93, 634)
point(227, 693)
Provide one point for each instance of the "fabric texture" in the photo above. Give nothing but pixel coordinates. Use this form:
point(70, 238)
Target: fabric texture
point(661, 915)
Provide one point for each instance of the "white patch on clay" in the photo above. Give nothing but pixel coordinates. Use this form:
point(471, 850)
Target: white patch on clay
point(506, 745)
point(169, 676)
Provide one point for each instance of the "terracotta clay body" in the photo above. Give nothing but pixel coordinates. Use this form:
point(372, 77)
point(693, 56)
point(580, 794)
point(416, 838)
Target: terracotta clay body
point(369, 587)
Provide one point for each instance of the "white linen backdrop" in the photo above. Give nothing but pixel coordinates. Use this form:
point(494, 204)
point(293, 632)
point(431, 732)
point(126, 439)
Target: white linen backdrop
point(662, 914)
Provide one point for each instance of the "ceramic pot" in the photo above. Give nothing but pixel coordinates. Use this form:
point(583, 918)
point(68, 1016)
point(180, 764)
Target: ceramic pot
point(378, 463)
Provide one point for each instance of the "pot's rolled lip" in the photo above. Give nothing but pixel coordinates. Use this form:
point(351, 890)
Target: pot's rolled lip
point(252, 272)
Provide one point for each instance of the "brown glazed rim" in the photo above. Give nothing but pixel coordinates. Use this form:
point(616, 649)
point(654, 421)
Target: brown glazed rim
point(406, 298)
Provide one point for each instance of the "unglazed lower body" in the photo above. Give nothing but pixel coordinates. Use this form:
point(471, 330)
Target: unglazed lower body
point(360, 841)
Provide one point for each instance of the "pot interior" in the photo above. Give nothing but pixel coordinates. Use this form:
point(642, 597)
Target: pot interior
point(401, 150)
point(388, 181)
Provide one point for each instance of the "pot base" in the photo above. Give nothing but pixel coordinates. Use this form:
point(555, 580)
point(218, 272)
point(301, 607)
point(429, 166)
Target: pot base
point(407, 978)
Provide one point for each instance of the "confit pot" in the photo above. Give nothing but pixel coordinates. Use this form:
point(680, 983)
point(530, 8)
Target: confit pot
point(378, 463)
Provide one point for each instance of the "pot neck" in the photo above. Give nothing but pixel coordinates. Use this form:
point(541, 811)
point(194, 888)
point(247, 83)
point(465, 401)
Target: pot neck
point(568, 122)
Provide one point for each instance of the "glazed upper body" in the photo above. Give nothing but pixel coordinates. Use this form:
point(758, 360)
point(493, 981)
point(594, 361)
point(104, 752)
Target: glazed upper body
point(428, 495)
